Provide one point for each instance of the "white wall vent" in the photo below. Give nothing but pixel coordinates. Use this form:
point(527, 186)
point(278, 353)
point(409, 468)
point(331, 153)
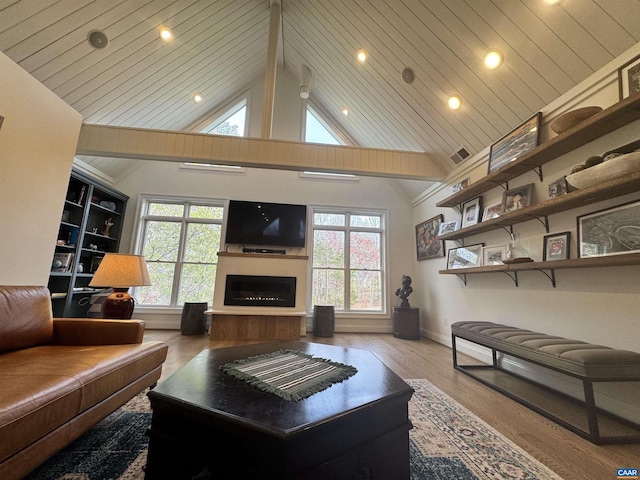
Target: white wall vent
point(460, 154)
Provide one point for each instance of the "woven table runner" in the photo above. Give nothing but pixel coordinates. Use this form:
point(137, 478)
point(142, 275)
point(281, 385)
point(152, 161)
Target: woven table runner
point(289, 374)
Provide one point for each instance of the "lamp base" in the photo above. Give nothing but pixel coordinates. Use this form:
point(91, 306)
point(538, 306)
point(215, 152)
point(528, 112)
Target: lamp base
point(118, 305)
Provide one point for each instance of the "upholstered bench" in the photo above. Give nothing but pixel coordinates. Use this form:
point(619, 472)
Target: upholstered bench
point(584, 361)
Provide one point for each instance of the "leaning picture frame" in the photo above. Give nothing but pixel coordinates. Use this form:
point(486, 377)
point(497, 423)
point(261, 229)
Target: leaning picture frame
point(556, 246)
point(471, 212)
point(448, 227)
point(612, 231)
point(520, 140)
point(465, 257)
point(427, 243)
point(494, 254)
point(517, 198)
point(629, 78)
point(492, 211)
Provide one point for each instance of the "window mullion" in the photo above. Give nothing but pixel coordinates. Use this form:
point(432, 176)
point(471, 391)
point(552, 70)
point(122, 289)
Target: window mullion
point(347, 263)
point(177, 277)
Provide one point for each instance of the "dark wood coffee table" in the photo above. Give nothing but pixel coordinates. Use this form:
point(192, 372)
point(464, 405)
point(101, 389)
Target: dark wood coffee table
point(204, 420)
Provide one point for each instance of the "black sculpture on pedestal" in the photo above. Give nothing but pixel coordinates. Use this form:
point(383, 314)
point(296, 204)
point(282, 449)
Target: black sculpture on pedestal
point(404, 291)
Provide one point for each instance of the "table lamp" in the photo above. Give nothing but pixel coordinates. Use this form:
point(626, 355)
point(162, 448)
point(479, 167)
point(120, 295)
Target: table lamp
point(120, 271)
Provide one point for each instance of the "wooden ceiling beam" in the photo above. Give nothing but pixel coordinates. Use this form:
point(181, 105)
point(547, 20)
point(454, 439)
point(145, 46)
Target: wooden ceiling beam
point(173, 146)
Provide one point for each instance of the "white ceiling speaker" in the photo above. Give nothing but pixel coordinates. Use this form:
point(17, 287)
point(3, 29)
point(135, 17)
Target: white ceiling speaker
point(407, 75)
point(460, 154)
point(97, 39)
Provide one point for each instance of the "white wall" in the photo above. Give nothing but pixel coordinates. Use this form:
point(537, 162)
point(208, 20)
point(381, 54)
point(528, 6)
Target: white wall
point(598, 305)
point(279, 186)
point(37, 142)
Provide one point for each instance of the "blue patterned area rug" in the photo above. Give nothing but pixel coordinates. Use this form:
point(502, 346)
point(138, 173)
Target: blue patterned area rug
point(447, 442)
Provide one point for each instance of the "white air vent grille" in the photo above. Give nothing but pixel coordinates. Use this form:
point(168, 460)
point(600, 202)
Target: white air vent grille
point(460, 154)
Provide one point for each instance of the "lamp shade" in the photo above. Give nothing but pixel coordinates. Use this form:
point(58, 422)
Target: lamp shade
point(121, 270)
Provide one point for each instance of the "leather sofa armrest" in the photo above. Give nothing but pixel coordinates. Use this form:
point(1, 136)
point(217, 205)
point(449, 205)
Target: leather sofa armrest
point(96, 331)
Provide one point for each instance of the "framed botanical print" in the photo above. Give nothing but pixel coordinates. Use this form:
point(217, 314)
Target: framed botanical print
point(427, 243)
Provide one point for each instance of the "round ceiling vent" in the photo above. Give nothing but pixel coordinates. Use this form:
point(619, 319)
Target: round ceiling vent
point(97, 39)
point(407, 75)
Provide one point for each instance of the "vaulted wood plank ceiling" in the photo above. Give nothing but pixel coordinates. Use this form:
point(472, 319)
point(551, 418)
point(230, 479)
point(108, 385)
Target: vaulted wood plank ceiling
point(220, 49)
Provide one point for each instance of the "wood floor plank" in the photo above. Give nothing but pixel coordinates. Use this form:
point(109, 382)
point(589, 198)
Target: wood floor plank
point(569, 455)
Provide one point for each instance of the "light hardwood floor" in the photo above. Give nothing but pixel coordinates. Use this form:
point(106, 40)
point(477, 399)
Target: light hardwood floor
point(569, 455)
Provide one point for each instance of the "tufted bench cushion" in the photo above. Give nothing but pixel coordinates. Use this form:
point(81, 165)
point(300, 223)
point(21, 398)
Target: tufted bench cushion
point(580, 358)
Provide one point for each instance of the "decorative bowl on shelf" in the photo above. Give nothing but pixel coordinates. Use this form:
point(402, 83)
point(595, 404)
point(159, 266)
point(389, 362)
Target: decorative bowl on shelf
point(570, 119)
point(614, 168)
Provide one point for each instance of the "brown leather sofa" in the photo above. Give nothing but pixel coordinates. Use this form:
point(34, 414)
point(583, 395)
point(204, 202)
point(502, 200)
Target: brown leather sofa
point(60, 376)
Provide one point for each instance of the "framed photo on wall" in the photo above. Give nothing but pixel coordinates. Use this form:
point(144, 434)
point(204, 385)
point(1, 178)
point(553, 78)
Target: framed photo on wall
point(556, 247)
point(465, 257)
point(517, 142)
point(471, 212)
point(613, 231)
point(517, 198)
point(427, 243)
point(629, 78)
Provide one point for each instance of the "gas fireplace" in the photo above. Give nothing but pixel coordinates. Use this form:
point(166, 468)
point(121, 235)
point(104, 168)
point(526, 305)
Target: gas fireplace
point(260, 291)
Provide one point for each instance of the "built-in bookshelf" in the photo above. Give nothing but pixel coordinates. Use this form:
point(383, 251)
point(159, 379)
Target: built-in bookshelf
point(91, 225)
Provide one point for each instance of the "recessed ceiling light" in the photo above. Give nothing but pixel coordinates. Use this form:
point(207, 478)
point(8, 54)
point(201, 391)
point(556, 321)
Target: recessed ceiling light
point(197, 98)
point(361, 55)
point(454, 102)
point(166, 34)
point(551, 2)
point(345, 111)
point(493, 59)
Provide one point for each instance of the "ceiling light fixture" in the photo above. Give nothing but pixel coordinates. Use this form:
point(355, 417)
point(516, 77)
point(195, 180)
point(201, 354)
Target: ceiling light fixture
point(166, 34)
point(345, 111)
point(454, 102)
point(361, 55)
point(551, 2)
point(197, 98)
point(305, 81)
point(493, 59)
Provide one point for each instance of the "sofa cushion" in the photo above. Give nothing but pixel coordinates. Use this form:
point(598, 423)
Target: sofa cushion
point(43, 387)
point(25, 317)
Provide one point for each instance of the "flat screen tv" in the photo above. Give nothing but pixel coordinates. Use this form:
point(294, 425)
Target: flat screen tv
point(261, 223)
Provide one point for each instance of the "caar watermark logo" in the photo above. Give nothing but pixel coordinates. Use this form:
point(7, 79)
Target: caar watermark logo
point(627, 473)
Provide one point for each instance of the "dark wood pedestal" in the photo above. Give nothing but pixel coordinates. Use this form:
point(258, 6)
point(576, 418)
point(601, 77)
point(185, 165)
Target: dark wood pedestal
point(206, 422)
point(406, 323)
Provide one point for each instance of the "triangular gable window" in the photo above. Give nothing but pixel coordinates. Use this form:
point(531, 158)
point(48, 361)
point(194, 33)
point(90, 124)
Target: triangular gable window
point(232, 122)
point(319, 130)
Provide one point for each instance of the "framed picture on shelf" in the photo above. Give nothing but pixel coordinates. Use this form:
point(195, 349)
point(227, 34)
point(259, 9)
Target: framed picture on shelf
point(465, 257)
point(449, 227)
point(427, 243)
point(517, 198)
point(95, 263)
point(556, 247)
point(471, 212)
point(558, 187)
point(613, 231)
point(492, 211)
point(494, 255)
point(629, 78)
point(460, 185)
point(517, 142)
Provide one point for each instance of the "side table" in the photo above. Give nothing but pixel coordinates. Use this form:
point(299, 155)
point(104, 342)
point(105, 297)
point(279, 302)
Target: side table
point(406, 323)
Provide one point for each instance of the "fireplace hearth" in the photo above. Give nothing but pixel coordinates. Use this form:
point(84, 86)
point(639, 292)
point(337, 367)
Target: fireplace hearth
point(260, 291)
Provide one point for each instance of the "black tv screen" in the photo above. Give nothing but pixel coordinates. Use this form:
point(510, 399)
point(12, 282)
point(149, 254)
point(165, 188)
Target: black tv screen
point(261, 223)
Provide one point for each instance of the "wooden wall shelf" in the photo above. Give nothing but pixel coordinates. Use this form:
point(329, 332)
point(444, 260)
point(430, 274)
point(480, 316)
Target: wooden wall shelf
point(608, 120)
point(550, 266)
point(613, 188)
